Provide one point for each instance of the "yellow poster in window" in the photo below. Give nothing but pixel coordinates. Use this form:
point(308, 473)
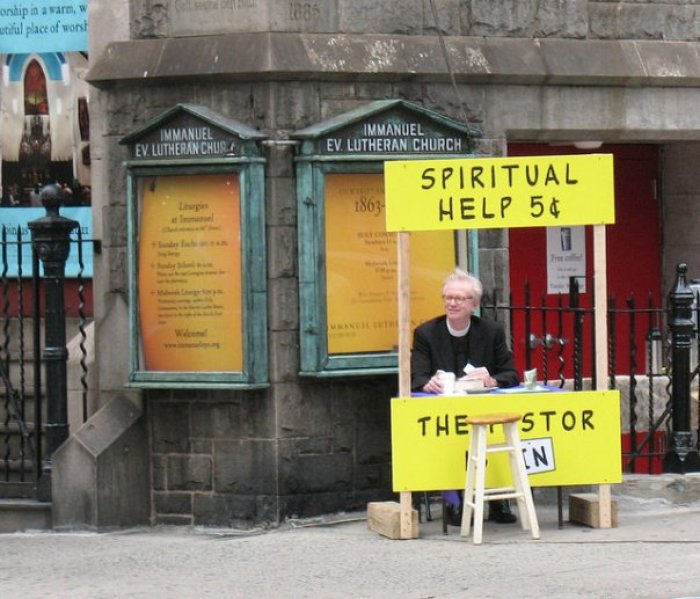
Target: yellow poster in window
point(567, 438)
point(189, 273)
point(491, 193)
point(361, 285)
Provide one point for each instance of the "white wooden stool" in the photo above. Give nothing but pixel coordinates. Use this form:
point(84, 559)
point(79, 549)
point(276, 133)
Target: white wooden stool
point(474, 492)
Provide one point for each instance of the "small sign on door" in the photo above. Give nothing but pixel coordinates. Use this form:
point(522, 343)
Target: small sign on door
point(566, 257)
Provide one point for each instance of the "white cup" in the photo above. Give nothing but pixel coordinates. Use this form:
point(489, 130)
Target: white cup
point(448, 382)
point(530, 377)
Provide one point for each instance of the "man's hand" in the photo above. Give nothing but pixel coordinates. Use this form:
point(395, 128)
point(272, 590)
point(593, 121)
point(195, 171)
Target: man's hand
point(434, 385)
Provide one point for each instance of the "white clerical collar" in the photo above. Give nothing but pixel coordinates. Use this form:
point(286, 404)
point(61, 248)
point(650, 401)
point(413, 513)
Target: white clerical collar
point(457, 332)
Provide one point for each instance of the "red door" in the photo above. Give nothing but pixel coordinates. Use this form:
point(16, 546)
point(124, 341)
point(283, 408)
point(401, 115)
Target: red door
point(633, 253)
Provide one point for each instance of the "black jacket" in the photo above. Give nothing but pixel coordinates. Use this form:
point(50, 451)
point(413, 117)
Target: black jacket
point(432, 350)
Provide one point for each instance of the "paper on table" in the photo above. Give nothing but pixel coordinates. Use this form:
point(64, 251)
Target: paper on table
point(470, 386)
point(523, 389)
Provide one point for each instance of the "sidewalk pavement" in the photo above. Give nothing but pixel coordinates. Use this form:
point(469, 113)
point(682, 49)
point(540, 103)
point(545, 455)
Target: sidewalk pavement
point(654, 552)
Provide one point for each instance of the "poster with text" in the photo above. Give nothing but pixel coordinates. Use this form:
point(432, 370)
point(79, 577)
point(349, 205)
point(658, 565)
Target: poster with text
point(189, 273)
point(566, 258)
point(361, 267)
point(43, 26)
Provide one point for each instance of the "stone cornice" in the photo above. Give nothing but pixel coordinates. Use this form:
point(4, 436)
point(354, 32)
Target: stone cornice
point(483, 60)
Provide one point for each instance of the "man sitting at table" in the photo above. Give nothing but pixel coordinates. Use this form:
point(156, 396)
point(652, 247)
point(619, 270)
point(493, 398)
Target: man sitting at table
point(461, 342)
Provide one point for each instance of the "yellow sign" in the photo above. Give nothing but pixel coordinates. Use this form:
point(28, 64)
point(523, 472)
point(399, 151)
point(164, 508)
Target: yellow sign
point(488, 193)
point(361, 286)
point(568, 439)
point(189, 276)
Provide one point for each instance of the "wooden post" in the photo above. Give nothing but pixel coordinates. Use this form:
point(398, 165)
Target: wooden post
point(404, 303)
point(601, 336)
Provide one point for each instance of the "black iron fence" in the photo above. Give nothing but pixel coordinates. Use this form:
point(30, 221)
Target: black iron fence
point(556, 335)
point(25, 350)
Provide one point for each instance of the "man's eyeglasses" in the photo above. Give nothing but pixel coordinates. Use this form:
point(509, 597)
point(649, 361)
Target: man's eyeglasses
point(459, 299)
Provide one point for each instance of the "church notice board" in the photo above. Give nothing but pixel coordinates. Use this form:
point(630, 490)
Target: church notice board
point(568, 438)
point(190, 273)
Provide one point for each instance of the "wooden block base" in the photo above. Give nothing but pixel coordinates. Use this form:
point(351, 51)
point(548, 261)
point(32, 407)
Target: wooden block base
point(583, 509)
point(384, 517)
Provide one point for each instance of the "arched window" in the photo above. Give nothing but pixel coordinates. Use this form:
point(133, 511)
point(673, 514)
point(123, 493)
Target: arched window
point(35, 99)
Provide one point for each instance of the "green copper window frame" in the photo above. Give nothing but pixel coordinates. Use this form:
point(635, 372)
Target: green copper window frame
point(254, 373)
point(315, 360)
point(321, 152)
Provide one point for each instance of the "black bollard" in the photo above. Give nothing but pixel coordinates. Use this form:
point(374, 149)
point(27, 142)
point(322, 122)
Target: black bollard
point(681, 457)
point(51, 242)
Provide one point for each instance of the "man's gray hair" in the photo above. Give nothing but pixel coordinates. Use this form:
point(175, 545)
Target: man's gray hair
point(462, 275)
